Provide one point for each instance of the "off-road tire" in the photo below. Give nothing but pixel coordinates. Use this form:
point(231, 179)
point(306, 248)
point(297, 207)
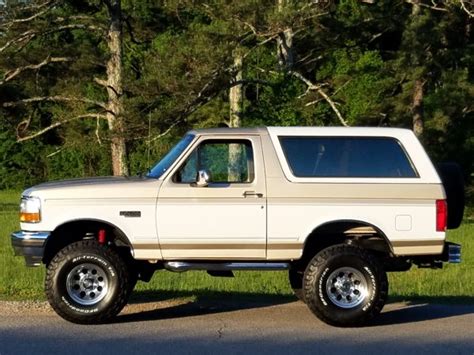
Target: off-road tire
point(296, 282)
point(332, 259)
point(88, 252)
point(453, 181)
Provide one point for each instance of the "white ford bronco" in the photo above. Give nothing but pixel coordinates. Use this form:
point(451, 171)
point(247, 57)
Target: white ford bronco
point(336, 207)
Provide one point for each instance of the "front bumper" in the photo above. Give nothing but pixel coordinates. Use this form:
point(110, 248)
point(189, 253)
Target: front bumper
point(30, 245)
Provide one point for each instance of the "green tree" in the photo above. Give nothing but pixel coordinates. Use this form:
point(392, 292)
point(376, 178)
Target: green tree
point(66, 48)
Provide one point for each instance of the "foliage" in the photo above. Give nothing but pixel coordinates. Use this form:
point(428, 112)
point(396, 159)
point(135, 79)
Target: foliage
point(178, 56)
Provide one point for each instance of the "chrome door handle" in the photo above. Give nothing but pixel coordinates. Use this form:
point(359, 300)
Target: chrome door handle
point(253, 193)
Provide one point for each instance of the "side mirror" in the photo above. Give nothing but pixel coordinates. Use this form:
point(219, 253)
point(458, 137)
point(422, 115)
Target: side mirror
point(202, 178)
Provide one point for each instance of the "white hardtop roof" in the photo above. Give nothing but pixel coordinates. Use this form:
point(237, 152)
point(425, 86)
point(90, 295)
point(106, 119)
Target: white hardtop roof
point(340, 131)
point(311, 131)
point(410, 142)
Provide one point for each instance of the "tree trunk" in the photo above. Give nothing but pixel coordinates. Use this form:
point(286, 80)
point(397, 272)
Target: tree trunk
point(285, 49)
point(115, 90)
point(235, 93)
point(417, 107)
point(235, 103)
point(416, 8)
point(285, 43)
point(417, 98)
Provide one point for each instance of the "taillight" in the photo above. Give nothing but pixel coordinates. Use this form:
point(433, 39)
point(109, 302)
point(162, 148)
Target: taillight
point(441, 215)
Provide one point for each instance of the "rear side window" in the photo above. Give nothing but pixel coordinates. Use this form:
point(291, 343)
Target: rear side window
point(379, 157)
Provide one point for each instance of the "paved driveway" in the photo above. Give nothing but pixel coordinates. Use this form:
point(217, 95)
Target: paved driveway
point(275, 327)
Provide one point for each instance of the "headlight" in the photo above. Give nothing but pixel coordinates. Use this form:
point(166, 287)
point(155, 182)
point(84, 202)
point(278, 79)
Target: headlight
point(30, 210)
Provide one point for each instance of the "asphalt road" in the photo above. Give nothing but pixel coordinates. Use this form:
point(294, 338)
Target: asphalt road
point(274, 327)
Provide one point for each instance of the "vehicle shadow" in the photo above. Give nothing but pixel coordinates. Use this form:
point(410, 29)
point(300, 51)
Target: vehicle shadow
point(426, 308)
point(187, 304)
point(197, 303)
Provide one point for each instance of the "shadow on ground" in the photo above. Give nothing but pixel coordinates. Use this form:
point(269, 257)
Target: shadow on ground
point(198, 303)
point(207, 302)
point(422, 309)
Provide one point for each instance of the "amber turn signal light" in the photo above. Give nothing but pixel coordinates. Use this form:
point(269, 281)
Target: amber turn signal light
point(29, 217)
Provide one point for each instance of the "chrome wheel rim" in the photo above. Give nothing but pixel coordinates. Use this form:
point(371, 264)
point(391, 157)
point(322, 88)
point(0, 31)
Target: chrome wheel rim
point(346, 287)
point(87, 284)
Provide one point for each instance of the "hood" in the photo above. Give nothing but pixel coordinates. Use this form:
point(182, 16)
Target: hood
point(97, 187)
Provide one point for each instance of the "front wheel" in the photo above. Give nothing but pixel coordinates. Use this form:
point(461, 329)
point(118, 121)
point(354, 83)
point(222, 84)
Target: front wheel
point(345, 285)
point(88, 283)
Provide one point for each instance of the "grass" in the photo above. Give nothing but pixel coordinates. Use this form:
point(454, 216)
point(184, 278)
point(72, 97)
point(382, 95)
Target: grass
point(16, 280)
point(454, 283)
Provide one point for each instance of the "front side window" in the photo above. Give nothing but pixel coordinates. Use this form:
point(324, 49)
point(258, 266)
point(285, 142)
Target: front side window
point(225, 161)
point(363, 157)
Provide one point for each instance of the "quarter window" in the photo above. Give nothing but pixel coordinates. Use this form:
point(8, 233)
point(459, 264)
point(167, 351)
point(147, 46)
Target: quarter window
point(372, 157)
point(225, 161)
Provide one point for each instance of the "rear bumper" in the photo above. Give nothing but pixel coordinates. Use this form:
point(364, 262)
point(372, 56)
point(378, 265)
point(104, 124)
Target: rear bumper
point(30, 245)
point(452, 253)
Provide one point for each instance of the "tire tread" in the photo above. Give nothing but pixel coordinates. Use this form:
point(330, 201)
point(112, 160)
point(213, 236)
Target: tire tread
point(318, 262)
point(124, 279)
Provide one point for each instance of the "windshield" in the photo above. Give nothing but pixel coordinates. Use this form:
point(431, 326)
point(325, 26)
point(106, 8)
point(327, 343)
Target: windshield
point(165, 163)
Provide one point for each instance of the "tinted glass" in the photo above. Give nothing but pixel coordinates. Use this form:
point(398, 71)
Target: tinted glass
point(225, 161)
point(346, 157)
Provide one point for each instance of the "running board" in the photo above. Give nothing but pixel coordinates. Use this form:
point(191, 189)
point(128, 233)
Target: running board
point(180, 266)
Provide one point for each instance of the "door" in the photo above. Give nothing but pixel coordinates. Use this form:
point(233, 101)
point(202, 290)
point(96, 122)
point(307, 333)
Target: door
point(225, 219)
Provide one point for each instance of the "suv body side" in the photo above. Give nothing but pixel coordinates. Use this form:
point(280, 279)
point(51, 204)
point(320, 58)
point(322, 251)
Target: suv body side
point(181, 221)
point(275, 226)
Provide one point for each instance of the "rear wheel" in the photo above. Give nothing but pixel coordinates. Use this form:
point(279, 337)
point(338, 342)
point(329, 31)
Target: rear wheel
point(88, 283)
point(345, 285)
